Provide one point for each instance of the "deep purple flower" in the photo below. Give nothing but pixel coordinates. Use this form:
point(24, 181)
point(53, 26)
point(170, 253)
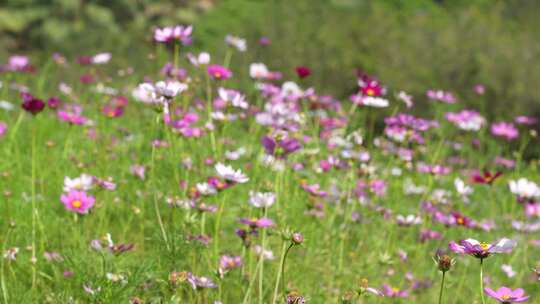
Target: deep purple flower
point(280, 147)
point(32, 104)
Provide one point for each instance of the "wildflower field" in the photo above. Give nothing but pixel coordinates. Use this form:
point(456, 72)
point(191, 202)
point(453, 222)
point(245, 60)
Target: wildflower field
point(206, 179)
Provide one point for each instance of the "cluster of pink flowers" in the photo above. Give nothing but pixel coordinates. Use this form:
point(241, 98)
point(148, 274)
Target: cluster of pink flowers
point(174, 33)
point(505, 130)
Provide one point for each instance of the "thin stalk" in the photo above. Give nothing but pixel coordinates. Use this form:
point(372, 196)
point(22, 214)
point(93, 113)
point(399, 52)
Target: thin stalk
point(261, 261)
point(278, 277)
point(246, 296)
point(482, 280)
point(442, 287)
point(156, 207)
point(34, 207)
point(283, 286)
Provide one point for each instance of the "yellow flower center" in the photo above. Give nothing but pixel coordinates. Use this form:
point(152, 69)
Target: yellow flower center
point(76, 204)
point(484, 246)
point(370, 92)
point(460, 221)
point(395, 289)
point(505, 297)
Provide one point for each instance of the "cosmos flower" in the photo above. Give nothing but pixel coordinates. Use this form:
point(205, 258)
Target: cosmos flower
point(3, 128)
point(440, 95)
point(32, 104)
point(261, 199)
point(482, 250)
point(78, 201)
point(233, 97)
point(505, 130)
point(394, 292)
point(219, 72)
point(467, 120)
point(302, 71)
point(408, 220)
point(231, 175)
point(72, 113)
point(507, 295)
point(200, 282)
point(254, 223)
point(524, 188)
point(81, 183)
point(227, 263)
point(201, 59)
point(370, 101)
point(487, 178)
point(236, 42)
point(258, 71)
point(101, 58)
point(174, 33)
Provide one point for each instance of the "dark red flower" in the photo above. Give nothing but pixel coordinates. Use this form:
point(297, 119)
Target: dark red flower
point(302, 71)
point(486, 178)
point(32, 104)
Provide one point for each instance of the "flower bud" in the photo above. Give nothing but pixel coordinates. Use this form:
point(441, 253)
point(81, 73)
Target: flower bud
point(297, 238)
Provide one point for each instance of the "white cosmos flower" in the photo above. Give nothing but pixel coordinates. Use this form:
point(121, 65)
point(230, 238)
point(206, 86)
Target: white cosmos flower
point(234, 97)
point(258, 70)
point(524, 188)
point(376, 102)
point(236, 42)
point(201, 59)
point(261, 199)
point(205, 189)
point(101, 58)
point(229, 174)
point(81, 183)
point(461, 188)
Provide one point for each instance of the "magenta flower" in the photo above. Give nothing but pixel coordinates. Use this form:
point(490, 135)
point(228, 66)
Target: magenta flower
point(479, 89)
point(32, 104)
point(3, 128)
point(280, 146)
point(302, 71)
point(219, 72)
point(482, 250)
point(314, 190)
point(487, 178)
point(505, 130)
point(507, 295)
point(78, 201)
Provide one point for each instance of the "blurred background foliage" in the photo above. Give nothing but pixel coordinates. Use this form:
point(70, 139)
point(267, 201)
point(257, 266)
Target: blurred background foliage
point(411, 45)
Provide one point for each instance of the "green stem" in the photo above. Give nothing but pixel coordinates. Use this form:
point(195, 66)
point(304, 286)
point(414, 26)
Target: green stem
point(283, 283)
point(442, 287)
point(156, 207)
point(482, 280)
point(34, 208)
point(261, 261)
point(278, 277)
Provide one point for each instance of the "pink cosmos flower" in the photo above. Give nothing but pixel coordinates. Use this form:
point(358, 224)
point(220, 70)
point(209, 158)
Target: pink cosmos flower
point(525, 120)
point(507, 295)
point(394, 292)
point(171, 33)
point(505, 130)
point(219, 72)
point(78, 201)
point(479, 89)
point(482, 250)
point(3, 128)
point(72, 113)
point(439, 95)
point(467, 120)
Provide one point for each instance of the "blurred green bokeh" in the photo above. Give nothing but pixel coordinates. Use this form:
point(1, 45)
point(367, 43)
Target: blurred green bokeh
point(411, 45)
